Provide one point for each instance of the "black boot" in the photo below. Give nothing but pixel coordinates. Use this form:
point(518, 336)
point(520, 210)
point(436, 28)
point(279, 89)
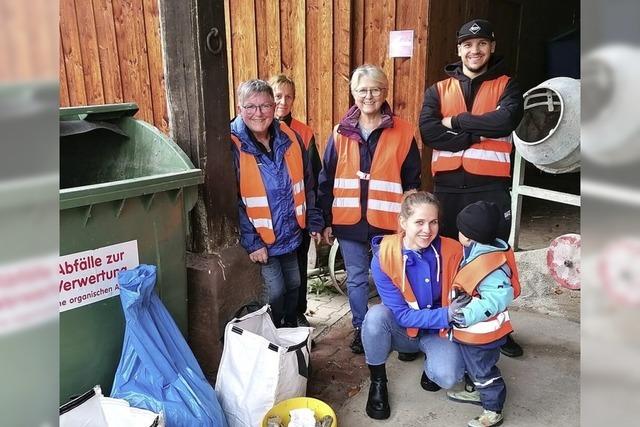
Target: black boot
point(407, 357)
point(427, 384)
point(511, 348)
point(378, 400)
point(356, 344)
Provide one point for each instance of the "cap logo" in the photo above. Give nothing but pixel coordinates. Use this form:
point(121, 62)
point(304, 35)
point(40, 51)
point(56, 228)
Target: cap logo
point(475, 28)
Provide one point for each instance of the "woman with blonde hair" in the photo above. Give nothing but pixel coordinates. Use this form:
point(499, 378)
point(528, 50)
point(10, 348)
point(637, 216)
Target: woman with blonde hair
point(284, 95)
point(412, 271)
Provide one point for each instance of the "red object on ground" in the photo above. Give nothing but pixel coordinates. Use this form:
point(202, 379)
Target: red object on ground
point(563, 260)
point(619, 270)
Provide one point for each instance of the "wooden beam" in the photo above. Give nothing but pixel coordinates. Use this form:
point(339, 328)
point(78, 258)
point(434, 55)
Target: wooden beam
point(268, 38)
point(357, 33)
point(243, 40)
point(342, 57)
point(325, 60)
point(229, 50)
point(134, 65)
point(313, 64)
point(64, 89)
point(70, 41)
point(293, 39)
point(108, 51)
point(379, 21)
point(156, 65)
point(89, 50)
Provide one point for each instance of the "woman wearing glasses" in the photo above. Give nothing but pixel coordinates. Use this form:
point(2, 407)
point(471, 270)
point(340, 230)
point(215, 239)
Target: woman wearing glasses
point(276, 203)
point(370, 160)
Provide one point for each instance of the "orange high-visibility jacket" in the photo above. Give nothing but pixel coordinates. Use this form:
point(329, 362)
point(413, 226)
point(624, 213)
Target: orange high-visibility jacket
point(490, 156)
point(468, 278)
point(391, 263)
point(303, 130)
point(254, 194)
point(385, 183)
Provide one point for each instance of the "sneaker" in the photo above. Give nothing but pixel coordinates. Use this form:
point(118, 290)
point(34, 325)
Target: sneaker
point(408, 357)
point(487, 419)
point(465, 396)
point(427, 384)
point(302, 320)
point(356, 344)
point(511, 348)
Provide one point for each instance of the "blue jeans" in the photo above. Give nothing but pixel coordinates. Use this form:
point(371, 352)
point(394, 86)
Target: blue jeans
point(282, 280)
point(356, 261)
point(381, 334)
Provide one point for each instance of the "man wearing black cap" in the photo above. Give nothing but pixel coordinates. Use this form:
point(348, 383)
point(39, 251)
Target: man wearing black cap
point(467, 119)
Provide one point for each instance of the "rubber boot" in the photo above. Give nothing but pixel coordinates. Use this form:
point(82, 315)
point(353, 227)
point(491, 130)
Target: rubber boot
point(378, 400)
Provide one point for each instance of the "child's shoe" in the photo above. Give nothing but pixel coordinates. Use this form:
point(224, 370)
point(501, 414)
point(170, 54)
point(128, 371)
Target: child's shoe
point(486, 419)
point(465, 396)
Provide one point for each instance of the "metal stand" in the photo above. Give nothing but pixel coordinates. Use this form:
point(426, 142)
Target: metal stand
point(518, 191)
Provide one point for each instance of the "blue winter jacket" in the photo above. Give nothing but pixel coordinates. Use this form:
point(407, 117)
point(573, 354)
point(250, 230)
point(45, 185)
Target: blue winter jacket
point(495, 290)
point(423, 269)
point(277, 183)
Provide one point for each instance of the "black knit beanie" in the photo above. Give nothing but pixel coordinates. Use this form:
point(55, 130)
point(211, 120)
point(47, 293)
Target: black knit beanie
point(480, 221)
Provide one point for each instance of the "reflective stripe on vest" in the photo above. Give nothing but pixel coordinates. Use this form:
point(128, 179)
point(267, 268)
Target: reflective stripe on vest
point(303, 130)
point(486, 331)
point(468, 278)
point(490, 156)
point(391, 263)
point(385, 183)
point(254, 194)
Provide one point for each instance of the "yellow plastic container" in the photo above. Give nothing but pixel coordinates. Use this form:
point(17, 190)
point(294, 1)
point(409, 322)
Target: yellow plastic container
point(282, 409)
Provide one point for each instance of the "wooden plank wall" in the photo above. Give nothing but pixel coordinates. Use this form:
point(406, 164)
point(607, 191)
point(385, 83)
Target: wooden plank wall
point(110, 52)
point(27, 52)
point(318, 43)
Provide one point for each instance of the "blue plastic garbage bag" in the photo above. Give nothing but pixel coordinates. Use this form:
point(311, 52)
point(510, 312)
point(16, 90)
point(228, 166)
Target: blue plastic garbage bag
point(157, 369)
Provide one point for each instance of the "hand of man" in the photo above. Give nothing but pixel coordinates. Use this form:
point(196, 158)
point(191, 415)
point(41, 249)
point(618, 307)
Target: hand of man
point(259, 256)
point(446, 122)
point(317, 237)
point(327, 234)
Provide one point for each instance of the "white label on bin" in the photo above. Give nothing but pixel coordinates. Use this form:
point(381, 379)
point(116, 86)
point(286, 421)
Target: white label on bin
point(92, 276)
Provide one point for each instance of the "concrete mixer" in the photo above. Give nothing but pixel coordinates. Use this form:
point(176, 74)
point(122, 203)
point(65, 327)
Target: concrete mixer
point(548, 137)
point(549, 134)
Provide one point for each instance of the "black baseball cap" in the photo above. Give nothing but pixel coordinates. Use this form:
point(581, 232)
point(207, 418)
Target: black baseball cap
point(476, 28)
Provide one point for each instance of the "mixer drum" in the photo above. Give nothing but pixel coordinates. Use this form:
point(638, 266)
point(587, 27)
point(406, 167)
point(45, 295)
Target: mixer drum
point(549, 134)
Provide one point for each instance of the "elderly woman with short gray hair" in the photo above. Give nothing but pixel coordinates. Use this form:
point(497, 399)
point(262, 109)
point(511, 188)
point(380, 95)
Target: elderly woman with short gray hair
point(276, 200)
point(370, 160)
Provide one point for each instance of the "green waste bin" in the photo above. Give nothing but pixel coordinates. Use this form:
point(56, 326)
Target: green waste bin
point(121, 180)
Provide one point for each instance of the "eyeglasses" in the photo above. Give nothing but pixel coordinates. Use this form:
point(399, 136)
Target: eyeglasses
point(263, 108)
point(374, 91)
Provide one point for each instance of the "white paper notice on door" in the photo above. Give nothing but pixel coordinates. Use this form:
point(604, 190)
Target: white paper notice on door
point(401, 44)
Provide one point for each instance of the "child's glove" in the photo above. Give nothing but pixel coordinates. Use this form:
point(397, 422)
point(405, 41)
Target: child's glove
point(454, 311)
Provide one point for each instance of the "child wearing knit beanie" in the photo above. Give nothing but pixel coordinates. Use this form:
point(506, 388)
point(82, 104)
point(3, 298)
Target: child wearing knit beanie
point(488, 273)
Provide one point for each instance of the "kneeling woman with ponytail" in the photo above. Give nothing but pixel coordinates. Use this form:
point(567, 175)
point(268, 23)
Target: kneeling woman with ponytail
point(412, 271)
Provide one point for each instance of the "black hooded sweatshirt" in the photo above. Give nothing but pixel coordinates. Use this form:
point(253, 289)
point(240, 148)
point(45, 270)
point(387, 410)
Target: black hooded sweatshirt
point(468, 128)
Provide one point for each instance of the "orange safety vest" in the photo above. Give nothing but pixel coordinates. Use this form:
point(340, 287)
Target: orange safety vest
point(490, 156)
point(254, 195)
point(303, 130)
point(391, 263)
point(385, 183)
point(468, 278)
